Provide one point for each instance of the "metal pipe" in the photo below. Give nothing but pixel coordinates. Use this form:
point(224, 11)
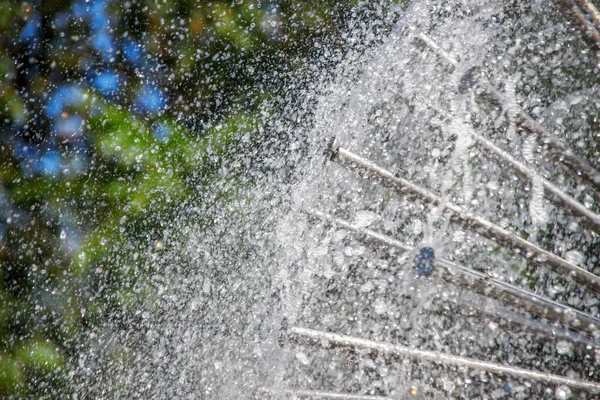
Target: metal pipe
point(424, 41)
point(366, 234)
point(585, 17)
point(554, 194)
point(332, 339)
point(321, 394)
point(473, 80)
point(517, 322)
point(590, 11)
point(485, 228)
point(489, 287)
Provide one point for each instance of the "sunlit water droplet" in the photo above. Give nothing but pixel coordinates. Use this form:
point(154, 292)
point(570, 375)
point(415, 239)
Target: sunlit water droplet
point(574, 257)
point(365, 218)
point(529, 145)
point(302, 358)
point(380, 307)
point(563, 392)
point(537, 210)
point(575, 99)
point(563, 347)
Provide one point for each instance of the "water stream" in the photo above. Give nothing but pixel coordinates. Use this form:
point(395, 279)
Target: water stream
point(230, 291)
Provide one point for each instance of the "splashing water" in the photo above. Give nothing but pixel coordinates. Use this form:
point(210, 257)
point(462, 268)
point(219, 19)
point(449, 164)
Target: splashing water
point(262, 266)
point(538, 213)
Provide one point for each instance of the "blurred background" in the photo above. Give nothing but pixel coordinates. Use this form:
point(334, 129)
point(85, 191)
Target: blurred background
point(115, 115)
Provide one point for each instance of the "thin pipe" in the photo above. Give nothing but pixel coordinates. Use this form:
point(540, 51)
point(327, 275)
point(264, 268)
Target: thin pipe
point(516, 322)
point(485, 228)
point(366, 234)
point(484, 285)
point(586, 19)
point(473, 80)
point(553, 193)
point(333, 339)
point(321, 394)
point(425, 41)
point(590, 11)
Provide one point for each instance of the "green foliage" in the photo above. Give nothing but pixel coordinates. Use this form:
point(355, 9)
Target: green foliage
point(113, 115)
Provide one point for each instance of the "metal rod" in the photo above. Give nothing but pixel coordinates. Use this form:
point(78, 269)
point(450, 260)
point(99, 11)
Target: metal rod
point(425, 41)
point(366, 234)
point(473, 80)
point(483, 227)
point(553, 193)
point(590, 10)
point(516, 297)
point(586, 19)
point(333, 339)
point(321, 394)
point(517, 322)
point(489, 287)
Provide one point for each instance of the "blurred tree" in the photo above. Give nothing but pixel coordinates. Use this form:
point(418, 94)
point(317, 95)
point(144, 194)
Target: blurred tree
point(113, 114)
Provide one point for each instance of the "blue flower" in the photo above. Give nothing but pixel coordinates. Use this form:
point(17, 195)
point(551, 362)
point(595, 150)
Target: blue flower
point(69, 127)
point(80, 11)
point(133, 52)
point(21, 150)
point(97, 12)
point(49, 164)
point(62, 97)
point(162, 132)
point(61, 20)
point(32, 30)
point(151, 99)
point(425, 261)
point(106, 82)
point(104, 44)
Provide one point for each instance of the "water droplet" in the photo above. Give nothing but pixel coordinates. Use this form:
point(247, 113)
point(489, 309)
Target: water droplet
point(537, 210)
point(302, 358)
point(575, 99)
point(563, 347)
point(563, 392)
point(380, 307)
point(575, 257)
point(365, 218)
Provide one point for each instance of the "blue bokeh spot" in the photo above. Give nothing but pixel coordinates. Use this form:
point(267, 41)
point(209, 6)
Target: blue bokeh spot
point(151, 99)
point(31, 31)
point(162, 132)
point(107, 83)
point(63, 96)
point(103, 43)
point(133, 52)
point(49, 164)
point(69, 127)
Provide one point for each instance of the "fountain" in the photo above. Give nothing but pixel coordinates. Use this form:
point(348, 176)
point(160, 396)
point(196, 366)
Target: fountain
point(451, 143)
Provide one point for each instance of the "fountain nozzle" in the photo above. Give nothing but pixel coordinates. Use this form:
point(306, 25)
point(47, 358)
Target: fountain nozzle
point(331, 150)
